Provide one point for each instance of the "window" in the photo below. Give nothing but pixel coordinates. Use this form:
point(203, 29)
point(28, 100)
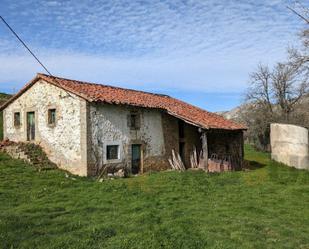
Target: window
point(52, 116)
point(17, 119)
point(134, 121)
point(112, 152)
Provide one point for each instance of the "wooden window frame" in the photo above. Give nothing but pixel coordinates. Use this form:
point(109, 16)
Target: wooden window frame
point(118, 152)
point(17, 124)
point(136, 125)
point(51, 122)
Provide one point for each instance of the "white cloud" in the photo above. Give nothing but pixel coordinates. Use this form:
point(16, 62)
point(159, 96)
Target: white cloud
point(153, 27)
point(158, 45)
point(195, 73)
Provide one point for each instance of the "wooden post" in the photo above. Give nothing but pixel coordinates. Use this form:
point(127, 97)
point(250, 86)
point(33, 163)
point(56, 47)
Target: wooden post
point(205, 150)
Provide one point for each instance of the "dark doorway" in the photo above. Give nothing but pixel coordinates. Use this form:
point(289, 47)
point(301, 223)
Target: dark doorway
point(181, 133)
point(30, 126)
point(182, 151)
point(181, 129)
point(136, 158)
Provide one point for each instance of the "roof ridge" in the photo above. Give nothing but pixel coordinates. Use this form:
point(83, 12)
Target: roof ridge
point(128, 89)
point(94, 92)
point(103, 85)
point(190, 108)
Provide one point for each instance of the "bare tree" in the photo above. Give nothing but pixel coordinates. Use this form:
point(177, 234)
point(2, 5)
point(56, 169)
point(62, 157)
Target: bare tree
point(288, 86)
point(300, 10)
point(258, 113)
point(281, 93)
point(257, 118)
point(300, 57)
point(259, 90)
point(272, 96)
point(283, 86)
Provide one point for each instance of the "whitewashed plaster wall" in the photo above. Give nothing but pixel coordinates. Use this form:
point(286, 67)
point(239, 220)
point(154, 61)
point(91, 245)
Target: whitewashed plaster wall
point(63, 142)
point(109, 125)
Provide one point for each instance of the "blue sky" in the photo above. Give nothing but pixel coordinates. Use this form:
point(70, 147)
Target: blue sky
point(198, 51)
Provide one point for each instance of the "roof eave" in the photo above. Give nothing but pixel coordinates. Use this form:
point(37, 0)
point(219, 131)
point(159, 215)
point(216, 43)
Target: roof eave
point(50, 81)
point(24, 89)
point(55, 83)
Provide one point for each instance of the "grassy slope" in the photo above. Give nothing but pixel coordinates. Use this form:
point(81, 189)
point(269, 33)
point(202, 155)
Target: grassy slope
point(263, 208)
point(3, 97)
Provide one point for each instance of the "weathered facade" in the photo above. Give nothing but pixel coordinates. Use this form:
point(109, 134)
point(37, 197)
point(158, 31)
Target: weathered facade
point(84, 132)
point(109, 125)
point(63, 141)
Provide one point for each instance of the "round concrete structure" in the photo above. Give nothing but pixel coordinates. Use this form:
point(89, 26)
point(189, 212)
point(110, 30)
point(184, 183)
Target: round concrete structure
point(289, 145)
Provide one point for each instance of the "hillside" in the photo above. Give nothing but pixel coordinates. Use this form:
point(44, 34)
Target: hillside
point(265, 207)
point(239, 111)
point(232, 114)
point(3, 97)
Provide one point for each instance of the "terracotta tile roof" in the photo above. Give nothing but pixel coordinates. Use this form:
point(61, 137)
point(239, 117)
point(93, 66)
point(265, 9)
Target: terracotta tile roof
point(116, 95)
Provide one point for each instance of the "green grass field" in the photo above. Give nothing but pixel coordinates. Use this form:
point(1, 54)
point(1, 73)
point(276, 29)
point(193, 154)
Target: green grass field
point(265, 207)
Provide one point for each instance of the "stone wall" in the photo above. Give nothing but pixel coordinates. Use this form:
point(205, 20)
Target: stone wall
point(158, 135)
point(78, 141)
point(289, 145)
point(171, 140)
point(64, 142)
point(109, 126)
point(192, 140)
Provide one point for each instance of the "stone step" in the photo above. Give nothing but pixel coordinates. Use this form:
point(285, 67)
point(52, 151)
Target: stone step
point(30, 153)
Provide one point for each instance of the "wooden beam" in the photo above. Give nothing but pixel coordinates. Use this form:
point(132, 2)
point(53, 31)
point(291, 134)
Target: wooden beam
point(205, 150)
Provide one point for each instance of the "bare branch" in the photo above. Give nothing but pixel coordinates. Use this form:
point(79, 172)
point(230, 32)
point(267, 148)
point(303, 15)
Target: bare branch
point(298, 14)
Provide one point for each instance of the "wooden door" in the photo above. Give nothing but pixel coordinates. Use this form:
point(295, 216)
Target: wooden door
point(30, 126)
point(136, 158)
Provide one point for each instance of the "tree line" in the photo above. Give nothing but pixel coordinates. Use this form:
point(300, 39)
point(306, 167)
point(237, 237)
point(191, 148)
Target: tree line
point(279, 94)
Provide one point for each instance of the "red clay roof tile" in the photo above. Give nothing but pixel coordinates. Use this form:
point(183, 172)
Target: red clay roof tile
point(116, 95)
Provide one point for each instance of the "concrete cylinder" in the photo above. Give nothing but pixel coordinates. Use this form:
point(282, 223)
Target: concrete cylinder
point(289, 145)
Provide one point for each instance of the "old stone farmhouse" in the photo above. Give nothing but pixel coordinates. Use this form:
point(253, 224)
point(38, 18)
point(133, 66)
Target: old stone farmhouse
point(84, 127)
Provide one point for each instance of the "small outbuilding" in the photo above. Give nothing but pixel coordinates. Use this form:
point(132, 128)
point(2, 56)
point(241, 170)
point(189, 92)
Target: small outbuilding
point(86, 127)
